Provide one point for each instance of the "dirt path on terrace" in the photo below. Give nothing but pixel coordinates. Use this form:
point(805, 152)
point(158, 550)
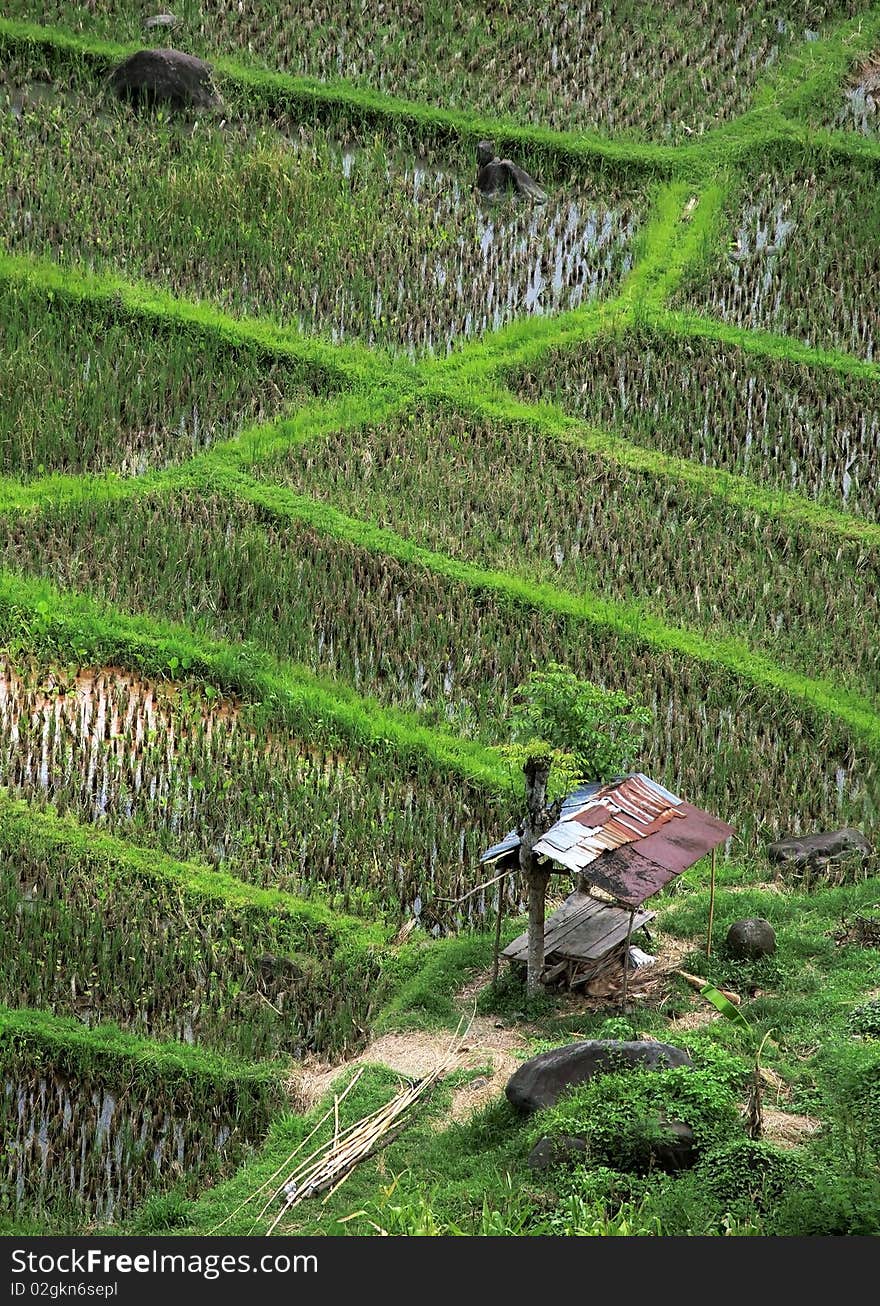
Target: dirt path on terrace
point(490, 1046)
point(497, 1048)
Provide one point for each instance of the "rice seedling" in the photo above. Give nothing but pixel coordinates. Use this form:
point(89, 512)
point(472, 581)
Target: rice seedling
point(468, 488)
point(667, 72)
point(411, 637)
point(806, 429)
point(97, 930)
point(860, 110)
point(349, 242)
point(93, 1121)
point(186, 774)
point(793, 266)
point(85, 389)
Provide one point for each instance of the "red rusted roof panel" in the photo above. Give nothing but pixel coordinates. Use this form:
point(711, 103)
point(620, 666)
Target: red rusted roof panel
point(594, 816)
point(627, 875)
point(680, 843)
point(635, 871)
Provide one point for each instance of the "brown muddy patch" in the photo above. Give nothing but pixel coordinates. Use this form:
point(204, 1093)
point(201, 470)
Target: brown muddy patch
point(786, 1129)
point(867, 77)
point(489, 1046)
point(699, 1018)
point(108, 722)
point(860, 110)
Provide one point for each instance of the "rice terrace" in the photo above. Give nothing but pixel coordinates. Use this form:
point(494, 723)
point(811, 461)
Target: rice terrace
point(440, 674)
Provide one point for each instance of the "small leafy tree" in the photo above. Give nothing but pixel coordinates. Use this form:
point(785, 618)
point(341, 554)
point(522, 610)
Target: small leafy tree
point(565, 731)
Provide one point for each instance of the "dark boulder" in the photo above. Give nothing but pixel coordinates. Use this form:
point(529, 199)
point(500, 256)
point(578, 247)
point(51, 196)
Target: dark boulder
point(278, 967)
point(541, 1081)
point(818, 849)
point(669, 1146)
point(165, 77)
point(750, 939)
point(674, 1149)
point(496, 177)
point(548, 1153)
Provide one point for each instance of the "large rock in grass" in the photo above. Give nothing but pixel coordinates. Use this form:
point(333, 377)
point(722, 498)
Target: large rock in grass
point(497, 177)
point(551, 1153)
point(542, 1081)
point(165, 77)
point(669, 1146)
point(818, 849)
point(674, 1149)
point(161, 20)
point(747, 940)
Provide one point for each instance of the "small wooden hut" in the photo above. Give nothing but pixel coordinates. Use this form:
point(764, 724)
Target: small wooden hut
point(623, 841)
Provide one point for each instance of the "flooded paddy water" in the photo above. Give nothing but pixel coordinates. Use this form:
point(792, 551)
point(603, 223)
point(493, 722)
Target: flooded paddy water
point(860, 110)
point(784, 425)
point(288, 222)
point(793, 267)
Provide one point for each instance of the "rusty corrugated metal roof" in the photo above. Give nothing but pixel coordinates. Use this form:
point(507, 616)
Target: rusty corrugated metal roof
point(629, 837)
point(572, 803)
point(616, 814)
point(635, 871)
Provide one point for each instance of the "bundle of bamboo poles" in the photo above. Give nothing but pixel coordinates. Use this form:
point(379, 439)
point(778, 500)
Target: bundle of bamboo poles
point(326, 1169)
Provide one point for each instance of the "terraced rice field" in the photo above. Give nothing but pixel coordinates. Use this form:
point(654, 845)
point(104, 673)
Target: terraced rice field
point(191, 777)
point(666, 75)
point(788, 427)
point(235, 968)
point(860, 107)
point(309, 456)
point(284, 222)
point(85, 390)
point(421, 640)
point(787, 263)
point(467, 489)
point(95, 1124)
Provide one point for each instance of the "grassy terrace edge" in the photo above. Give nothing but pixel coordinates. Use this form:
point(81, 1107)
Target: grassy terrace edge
point(128, 860)
point(629, 620)
point(376, 385)
point(763, 129)
point(345, 363)
point(550, 420)
point(814, 72)
point(36, 617)
point(56, 622)
point(26, 1031)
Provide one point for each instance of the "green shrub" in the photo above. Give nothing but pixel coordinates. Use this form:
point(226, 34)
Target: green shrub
point(836, 1204)
point(621, 1115)
point(865, 1020)
point(849, 1093)
point(162, 1211)
point(755, 1173)
point(617, 1027)
point(609, 1189)
point(724, 1066)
